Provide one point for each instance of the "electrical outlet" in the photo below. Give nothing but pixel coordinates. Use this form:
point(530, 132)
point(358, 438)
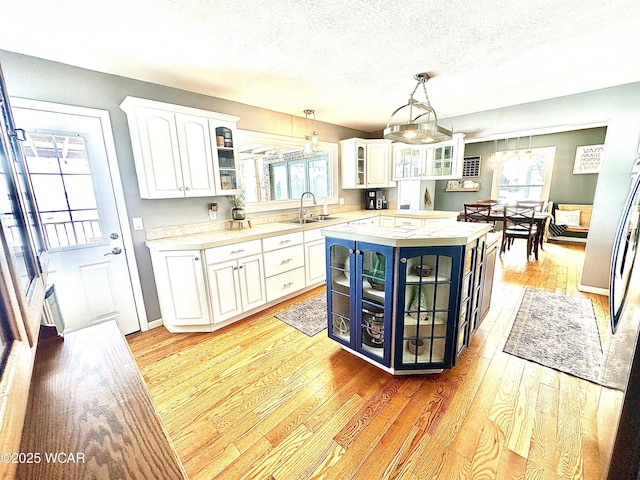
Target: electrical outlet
point(213, 215)
point(341, 201)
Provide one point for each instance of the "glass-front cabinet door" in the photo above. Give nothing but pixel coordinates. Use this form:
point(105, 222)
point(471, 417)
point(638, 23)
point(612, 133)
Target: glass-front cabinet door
point(408, 161)
point(359, 297)
point(426, 314)
point(340, 254)
point(225, 158)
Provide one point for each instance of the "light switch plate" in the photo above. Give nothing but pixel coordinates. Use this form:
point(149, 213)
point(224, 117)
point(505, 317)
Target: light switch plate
point(137, 223)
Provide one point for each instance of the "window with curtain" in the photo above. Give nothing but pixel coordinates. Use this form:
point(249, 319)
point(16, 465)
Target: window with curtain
point(521, 175)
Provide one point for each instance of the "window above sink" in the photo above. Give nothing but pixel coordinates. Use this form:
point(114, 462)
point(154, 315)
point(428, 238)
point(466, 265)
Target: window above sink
point(274, 171)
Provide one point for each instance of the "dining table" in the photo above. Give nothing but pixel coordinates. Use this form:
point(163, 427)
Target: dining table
point(539, 220)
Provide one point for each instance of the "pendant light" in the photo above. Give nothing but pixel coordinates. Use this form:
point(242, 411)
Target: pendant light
point(422, 125)
point(313, 140)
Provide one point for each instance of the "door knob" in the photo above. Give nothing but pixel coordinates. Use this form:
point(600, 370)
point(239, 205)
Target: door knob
point(115, 251)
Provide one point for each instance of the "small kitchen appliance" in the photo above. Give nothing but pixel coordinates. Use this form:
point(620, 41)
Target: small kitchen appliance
point(375, 199)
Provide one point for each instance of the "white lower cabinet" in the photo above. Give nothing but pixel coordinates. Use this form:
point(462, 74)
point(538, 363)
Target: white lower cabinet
point(314, 257)
point(235, 287)
point(181, 288)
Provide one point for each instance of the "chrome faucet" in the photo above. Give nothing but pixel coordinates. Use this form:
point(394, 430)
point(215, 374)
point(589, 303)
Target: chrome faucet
point(302, 211)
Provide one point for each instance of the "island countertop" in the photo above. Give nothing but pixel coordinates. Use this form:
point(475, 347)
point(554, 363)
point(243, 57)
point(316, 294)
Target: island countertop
point(436, 234)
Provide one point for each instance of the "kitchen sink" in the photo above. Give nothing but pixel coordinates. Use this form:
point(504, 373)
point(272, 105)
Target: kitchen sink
point(305, 220)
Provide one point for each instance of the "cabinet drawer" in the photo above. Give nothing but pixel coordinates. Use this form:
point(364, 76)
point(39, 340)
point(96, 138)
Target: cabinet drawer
point(403, 222)
point(365, 221)
point(285, 283)
point(279, 241)
point(284, 259)
point(232, 251)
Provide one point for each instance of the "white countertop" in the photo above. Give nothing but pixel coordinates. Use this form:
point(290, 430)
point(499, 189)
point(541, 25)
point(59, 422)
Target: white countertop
point(216, 238)
point(436, 234)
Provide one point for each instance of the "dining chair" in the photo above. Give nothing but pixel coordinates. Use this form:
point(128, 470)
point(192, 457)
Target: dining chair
point(478, 213)
point(548, 209)
point(518, 223)
point(537, 204)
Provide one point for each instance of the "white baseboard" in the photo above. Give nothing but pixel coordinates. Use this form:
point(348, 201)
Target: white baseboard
point(155, 323)
point(568, 239)
point(596, 290)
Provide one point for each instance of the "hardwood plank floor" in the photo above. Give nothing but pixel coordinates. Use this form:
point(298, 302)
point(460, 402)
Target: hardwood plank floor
point(260, 400)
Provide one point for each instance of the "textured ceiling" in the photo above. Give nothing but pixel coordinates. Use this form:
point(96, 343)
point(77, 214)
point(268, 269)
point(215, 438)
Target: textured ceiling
point(352, 61)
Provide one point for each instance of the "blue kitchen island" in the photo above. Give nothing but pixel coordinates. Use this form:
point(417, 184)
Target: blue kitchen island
point(408, 299)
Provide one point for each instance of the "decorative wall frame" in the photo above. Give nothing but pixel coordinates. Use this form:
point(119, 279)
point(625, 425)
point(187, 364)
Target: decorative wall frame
point(588, 159)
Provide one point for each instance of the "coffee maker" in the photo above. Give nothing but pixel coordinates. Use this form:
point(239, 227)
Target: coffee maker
point(375, 199)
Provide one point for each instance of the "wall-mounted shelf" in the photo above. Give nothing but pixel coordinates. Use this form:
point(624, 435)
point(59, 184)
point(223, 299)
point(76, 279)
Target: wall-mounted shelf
point(462, 186)
point(474, 189)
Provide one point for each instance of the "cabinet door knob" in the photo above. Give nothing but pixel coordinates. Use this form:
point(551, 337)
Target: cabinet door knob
point(188, 188)
point(197, 259)
point(358, 252)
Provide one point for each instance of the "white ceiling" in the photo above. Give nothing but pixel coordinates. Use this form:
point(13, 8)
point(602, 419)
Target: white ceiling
point(351, 61)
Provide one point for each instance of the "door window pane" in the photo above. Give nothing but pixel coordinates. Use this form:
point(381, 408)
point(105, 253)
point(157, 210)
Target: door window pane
point(59, 169)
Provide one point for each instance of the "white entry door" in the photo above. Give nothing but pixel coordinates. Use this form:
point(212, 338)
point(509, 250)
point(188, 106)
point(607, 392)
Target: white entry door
point(69, 170)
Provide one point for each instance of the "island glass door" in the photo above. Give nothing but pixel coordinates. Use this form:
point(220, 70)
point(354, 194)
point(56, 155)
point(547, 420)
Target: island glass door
point(374, 301)
point(359, 297)
point(340, 255)
point(427, 307)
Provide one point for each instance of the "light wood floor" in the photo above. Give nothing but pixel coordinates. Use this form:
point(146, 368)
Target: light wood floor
point(260, 400)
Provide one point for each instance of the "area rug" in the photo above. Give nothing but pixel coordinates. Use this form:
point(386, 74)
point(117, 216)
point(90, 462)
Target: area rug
point(618, 353)
point(557, 331)
point(310, 317)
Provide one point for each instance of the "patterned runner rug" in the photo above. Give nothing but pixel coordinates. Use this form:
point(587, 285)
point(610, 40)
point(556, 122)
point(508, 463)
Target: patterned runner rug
point(557, 331)
point(310, 317)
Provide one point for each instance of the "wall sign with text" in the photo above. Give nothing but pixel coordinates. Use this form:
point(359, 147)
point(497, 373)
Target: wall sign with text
point(588, 159)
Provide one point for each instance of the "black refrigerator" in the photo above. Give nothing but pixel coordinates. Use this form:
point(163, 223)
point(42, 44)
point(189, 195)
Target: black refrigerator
point(624, 309)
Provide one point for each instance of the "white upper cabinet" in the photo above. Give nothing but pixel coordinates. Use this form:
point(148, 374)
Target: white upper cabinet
point(439, 161)
point(177, 151)
point(409, 161)
point(196, 159)
point(447, 159)
point(365, 163)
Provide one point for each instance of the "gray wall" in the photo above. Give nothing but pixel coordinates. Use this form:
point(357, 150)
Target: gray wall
point(565, 186)
point(619, 109)
point(38, 79)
